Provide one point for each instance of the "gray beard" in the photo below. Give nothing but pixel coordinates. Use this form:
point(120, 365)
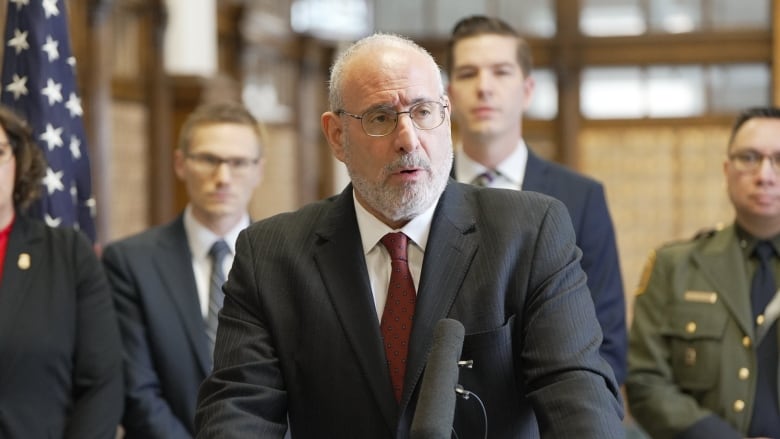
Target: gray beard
point(402, 203)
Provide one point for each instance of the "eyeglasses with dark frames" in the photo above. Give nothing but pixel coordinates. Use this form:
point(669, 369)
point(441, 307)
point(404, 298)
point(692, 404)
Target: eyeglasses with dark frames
point(206, 163)
point(750, 160)
point(378, 122)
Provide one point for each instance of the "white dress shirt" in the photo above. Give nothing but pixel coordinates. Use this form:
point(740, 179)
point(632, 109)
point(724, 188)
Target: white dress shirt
point(200, 240)
point(378, 259)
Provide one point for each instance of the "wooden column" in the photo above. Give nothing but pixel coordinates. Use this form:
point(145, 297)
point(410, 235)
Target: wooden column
point(775, 25)
point(96, 74)
point(566, 62)
point(157, 91)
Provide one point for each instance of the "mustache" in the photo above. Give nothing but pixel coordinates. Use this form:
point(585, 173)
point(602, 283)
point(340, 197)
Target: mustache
point(408, 161)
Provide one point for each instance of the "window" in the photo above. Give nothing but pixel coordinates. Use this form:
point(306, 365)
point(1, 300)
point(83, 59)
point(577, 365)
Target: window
point(672, 91)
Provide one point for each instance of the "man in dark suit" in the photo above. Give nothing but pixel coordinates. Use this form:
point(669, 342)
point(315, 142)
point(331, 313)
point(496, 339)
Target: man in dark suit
point(490, 87)
point(305, 335)
point(161, 278)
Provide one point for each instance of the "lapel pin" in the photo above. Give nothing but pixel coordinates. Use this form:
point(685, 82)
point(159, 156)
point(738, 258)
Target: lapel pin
point(24, 261)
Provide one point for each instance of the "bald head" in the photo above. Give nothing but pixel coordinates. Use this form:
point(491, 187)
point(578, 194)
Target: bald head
point(365, 51)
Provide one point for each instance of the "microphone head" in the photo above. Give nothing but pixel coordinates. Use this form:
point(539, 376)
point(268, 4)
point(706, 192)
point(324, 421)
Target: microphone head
point(436, 404)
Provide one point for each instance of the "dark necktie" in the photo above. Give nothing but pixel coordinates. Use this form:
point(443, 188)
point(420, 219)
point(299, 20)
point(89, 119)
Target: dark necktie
point(763, 287)
point(484, 179)
point(217, 254)
point(397, 316)
point(766, 412)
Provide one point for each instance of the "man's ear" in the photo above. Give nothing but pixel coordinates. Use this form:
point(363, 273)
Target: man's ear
point(529, 86)
point(178, 163)
point(333, 129)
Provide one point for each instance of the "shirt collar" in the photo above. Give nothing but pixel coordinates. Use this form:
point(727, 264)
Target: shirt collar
point(511, 169)
point(748, 242)
point(372, 229)
point(200, 238)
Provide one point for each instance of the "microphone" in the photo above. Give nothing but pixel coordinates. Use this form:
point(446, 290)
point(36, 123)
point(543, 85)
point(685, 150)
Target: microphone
point(436, 404)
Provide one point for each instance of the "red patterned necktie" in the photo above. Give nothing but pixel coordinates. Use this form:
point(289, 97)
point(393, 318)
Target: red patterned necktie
point(397, 316)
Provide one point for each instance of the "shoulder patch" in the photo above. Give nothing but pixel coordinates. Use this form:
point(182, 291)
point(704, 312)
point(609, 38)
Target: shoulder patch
point(645, 278)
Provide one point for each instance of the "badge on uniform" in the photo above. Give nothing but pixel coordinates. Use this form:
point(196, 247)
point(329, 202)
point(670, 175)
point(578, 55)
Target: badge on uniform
point(701, 296)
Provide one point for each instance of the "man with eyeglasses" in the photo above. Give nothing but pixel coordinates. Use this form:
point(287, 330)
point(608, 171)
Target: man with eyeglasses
point(167, 280)
point(330, 310)
point(703, 346)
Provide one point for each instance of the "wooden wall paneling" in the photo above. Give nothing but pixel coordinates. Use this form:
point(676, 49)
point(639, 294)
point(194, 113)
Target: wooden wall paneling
point(229, 42)
point(690, 48)
point(315, 178)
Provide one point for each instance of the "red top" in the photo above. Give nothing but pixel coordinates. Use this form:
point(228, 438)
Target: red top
point(4, 244)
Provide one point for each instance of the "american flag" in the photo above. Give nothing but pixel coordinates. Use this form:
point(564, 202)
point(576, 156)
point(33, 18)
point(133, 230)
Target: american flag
point(39, 82)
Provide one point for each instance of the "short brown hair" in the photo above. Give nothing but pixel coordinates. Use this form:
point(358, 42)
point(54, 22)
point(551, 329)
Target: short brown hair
point(476, 25)
point(30, 162)
point(218, 113)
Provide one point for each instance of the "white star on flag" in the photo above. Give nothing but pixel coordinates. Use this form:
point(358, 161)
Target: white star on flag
point(50, 7)
point(75, 147)
point(53, 91)
point(52, 222)
point(19, 41)
point(53, 181)
point(18, 86)
point(51, 47)
point(52, 136)
point(74, 105)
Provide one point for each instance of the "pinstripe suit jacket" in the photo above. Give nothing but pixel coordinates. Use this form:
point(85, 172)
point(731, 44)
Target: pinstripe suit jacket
point(299, 336)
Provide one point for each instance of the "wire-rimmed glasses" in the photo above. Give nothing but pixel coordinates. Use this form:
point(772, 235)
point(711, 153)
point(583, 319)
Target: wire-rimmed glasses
point(381, 121)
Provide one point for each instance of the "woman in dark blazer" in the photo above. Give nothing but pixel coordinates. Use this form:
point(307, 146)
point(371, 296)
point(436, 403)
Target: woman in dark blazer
point(60, 355)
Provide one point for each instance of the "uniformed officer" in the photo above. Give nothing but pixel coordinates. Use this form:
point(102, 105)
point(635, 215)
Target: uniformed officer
point(703, 346)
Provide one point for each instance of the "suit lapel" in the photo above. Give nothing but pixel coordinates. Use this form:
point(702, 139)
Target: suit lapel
point(24, 260)
point(722, 263)
point(339, 257)
point(450, 249)
point(534, 178)
point(173, 262)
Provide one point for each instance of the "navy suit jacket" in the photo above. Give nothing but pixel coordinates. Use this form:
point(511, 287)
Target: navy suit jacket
point(587, 205)
point(166, 354)
point(60, 356)
point(299, 336)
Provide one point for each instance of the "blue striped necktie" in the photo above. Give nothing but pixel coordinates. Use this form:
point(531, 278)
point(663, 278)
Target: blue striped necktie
point(217, 254)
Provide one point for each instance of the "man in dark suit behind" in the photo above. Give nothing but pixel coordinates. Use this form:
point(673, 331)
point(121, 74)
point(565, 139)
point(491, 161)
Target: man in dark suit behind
point(491, 87)
point(308, 297)
point(161, 277)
